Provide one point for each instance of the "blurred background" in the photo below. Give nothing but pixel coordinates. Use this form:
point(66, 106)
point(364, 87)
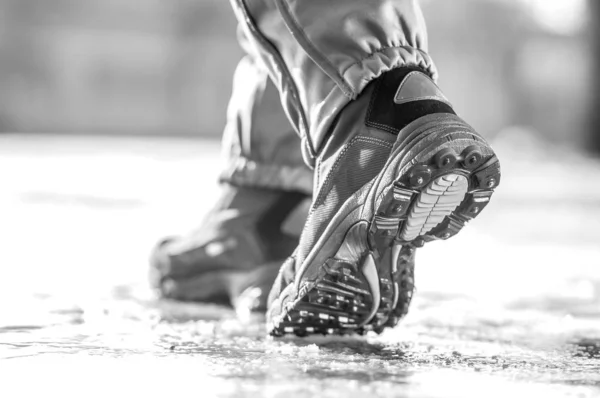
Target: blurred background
point(150, 67)
point(111, 113)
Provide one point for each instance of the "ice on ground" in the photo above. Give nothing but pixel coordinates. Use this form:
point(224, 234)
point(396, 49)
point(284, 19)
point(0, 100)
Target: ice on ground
point(510, 307)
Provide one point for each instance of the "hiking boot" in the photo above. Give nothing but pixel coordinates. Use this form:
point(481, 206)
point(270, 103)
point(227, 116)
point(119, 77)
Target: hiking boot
point(234, 248)
point(399, 169)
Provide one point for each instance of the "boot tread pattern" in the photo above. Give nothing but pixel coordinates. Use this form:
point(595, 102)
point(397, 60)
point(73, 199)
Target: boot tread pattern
point(446, 180)
point(434, 203)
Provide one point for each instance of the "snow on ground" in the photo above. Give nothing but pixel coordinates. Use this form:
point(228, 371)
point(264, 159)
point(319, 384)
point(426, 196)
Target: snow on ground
point(510, 307)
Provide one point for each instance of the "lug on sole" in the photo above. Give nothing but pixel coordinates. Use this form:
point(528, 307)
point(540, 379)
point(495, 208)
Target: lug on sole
point(368, 284)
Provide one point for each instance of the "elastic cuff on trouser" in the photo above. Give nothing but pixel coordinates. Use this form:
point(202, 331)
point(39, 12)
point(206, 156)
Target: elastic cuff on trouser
point(322, 54)
point(248, 173)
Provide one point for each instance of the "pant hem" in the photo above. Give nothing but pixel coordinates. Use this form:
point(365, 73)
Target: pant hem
point(247, 172)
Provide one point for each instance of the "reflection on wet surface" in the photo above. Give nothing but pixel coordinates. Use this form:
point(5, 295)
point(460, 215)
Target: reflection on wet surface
point(494, 314)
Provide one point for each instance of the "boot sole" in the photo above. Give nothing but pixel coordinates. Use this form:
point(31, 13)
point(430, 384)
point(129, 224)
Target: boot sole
point(439, 177)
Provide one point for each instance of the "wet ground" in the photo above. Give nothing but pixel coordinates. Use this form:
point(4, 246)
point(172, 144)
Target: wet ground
point(510, 307)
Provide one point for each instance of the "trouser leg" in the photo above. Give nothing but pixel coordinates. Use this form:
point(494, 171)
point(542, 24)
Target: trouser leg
point(260, 145)
point(322, 53)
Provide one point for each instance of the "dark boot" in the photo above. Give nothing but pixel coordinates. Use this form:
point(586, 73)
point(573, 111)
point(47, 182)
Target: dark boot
point(235, 246)
point(399, 169)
